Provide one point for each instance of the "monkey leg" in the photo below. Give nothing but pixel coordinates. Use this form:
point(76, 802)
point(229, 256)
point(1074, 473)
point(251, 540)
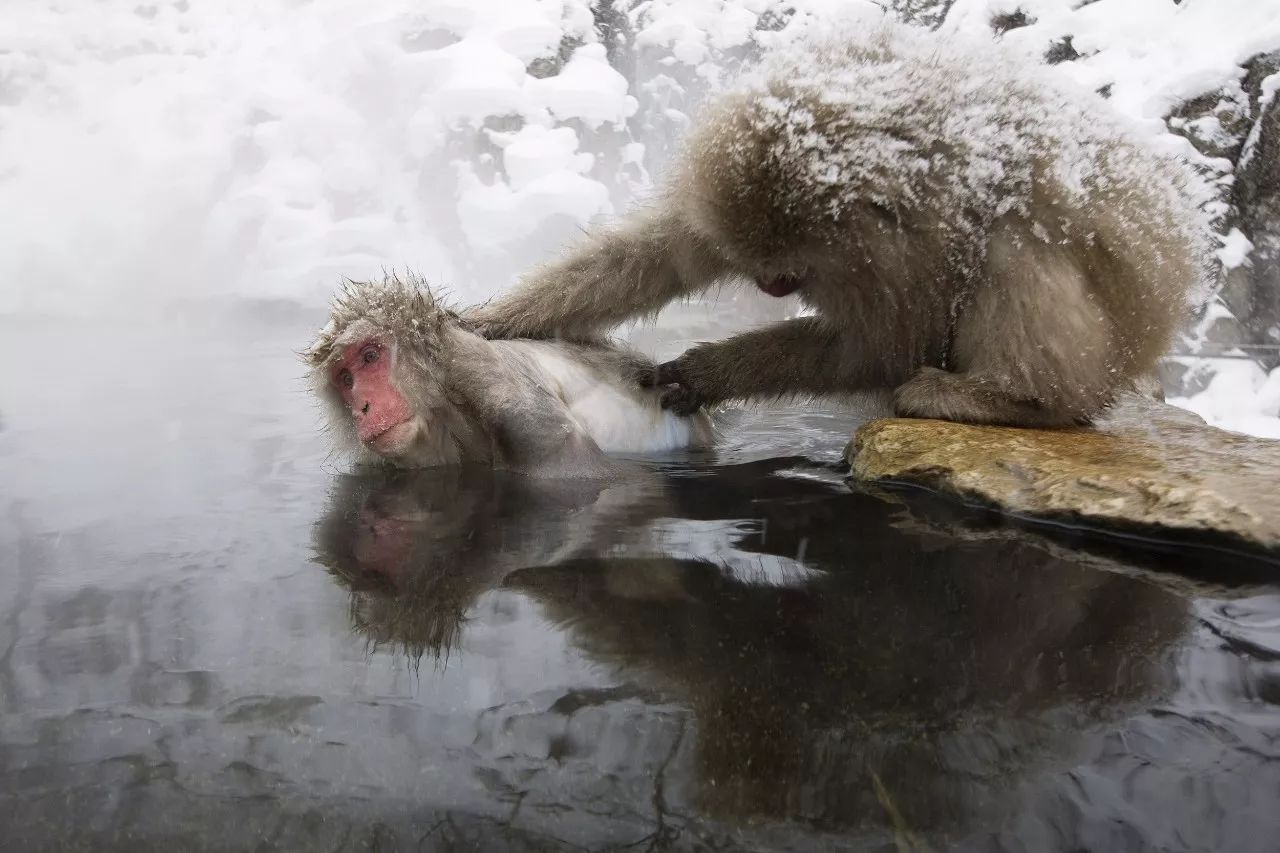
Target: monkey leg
point(1032, 348)
point(969, 398)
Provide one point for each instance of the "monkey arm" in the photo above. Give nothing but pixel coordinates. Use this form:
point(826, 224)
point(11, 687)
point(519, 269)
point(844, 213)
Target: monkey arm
point(800, 356)
point(622, 273)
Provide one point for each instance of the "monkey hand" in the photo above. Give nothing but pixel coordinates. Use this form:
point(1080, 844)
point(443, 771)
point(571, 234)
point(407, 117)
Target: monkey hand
point(682, 400)
point(679, 395)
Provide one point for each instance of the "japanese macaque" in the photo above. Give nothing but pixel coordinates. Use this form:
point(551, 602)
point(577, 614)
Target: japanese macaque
point(406, 383)
point(967, 232)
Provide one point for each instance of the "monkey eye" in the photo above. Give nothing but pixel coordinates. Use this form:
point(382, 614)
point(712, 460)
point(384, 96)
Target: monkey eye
point(345, 379)
point(370, 355)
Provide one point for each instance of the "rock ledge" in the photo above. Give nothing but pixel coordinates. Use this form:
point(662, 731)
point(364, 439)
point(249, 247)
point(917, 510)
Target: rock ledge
point(1148, 466)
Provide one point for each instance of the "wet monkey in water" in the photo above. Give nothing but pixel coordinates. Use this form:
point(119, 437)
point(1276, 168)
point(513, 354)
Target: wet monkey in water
point(405, 383)
point(967, 233)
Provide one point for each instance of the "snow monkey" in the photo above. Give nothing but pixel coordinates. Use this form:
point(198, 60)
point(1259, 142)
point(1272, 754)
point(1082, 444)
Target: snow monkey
point(965, 231)
point(407, 384)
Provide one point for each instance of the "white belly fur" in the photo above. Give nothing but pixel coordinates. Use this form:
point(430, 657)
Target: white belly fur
point(621, 419)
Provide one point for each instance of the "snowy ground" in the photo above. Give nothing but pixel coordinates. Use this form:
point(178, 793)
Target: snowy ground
point(1240, 397)
point(183, 150)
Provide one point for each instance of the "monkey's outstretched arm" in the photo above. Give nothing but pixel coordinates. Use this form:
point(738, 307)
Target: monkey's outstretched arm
point(625, 272)
point(800, 356)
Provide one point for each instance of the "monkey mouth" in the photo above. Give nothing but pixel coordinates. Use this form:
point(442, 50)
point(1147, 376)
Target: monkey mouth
point(781, 285)
point(393, 439)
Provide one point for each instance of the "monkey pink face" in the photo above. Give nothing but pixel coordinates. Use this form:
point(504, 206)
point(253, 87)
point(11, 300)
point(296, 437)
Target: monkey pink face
point(384, 419)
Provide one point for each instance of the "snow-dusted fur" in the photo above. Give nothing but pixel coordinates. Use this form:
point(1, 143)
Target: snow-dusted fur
point(542, 407)
point(992, 246)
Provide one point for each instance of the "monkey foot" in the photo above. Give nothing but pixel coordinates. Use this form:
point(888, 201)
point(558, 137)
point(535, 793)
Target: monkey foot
point(939, 394)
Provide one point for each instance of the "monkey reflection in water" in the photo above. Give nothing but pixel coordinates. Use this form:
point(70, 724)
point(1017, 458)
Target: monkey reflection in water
point(945, 672)
point(406, 383)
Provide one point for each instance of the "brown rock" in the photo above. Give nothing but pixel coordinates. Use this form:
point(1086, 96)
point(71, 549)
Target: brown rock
point(1147, 466)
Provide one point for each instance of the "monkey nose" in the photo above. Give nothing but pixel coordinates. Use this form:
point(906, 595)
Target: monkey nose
point(364, 410)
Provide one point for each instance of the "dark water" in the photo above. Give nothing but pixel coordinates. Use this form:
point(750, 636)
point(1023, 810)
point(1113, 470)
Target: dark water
point(210, 638)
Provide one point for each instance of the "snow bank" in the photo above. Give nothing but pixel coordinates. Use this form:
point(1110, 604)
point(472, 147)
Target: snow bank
point(1240, 397)
point(1153, 54)
point(587, 88)
point(176, 149)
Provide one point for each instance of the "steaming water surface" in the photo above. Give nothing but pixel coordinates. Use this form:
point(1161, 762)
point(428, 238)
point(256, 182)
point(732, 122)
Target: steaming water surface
point(212, 638)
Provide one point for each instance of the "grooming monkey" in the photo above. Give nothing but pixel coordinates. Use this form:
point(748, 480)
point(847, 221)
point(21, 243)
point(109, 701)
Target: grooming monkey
point(990, 246)
point(407, 384)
